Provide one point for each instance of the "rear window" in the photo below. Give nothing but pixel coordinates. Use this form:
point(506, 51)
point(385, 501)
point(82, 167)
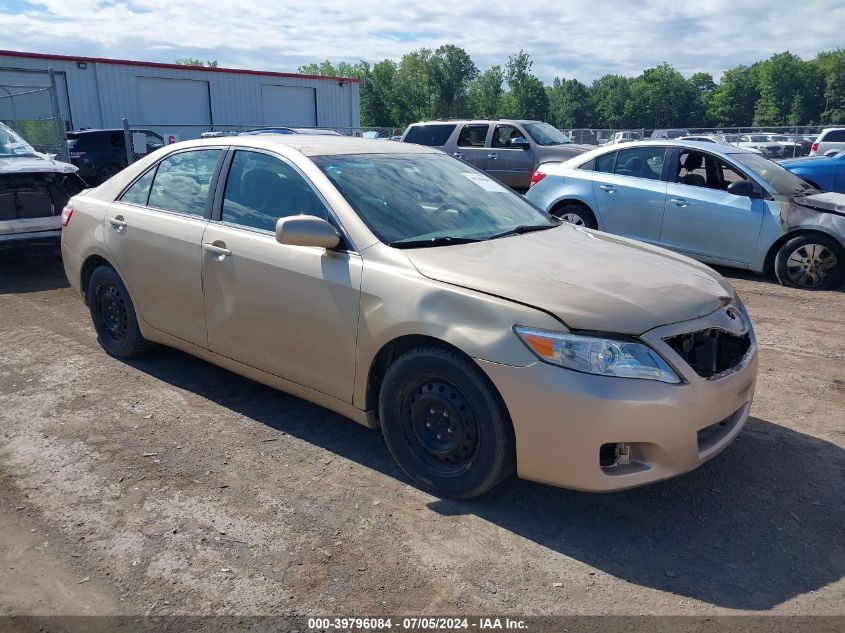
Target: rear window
point(434, 135)
point(834, 136)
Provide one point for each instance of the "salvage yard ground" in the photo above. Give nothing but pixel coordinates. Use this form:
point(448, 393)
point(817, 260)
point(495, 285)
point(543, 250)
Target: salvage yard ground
point(165, 485)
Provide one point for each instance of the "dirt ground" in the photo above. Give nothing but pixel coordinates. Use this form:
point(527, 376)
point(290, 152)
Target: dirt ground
point(168, 486)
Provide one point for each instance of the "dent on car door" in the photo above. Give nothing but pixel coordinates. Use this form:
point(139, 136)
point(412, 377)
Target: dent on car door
point(630, 191)
point(702, 218)
point(289, 310)
point(154, 231)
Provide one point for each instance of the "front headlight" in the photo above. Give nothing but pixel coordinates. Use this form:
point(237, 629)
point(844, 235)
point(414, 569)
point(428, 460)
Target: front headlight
point(595, 355)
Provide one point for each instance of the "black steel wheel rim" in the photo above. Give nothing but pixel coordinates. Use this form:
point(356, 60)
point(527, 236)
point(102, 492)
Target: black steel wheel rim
point(440, 426)
point(112, 313)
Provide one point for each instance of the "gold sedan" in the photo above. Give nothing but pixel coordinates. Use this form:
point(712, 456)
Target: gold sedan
point(408, 291)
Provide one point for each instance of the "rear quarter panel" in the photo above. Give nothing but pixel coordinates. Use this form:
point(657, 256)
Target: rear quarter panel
point(564, 183)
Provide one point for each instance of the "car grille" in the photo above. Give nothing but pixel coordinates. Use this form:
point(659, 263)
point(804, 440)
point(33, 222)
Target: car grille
point(710, 352)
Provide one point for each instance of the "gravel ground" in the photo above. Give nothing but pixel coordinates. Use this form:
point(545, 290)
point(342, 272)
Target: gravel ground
point(166, 485)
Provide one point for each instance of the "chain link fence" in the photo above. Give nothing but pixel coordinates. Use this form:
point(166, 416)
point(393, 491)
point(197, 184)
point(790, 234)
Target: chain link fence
point(33, 112)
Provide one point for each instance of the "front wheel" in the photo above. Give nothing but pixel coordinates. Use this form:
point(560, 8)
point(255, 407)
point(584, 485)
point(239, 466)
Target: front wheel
point(815, 262)
point(444, 424)
point(113, 315)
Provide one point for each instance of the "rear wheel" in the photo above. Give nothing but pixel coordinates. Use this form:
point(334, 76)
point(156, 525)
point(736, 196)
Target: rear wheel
point(113, 315)
point(575, 214)
point(444, 425)
point(814, 261)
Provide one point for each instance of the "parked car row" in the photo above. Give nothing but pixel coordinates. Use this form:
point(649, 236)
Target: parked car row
point(409, 291)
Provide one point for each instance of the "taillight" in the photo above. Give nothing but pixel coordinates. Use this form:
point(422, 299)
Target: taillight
point(815, 147)
point(536, 177)
point(67, 213)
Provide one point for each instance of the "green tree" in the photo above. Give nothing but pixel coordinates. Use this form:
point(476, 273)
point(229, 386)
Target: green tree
point(191, 61)
point(486, 93)
point(702, 87)
point(569, 104)
point(660, 97)
point(609, 94)
point(832, 68)
point(732, 102)
point(780, 80)
point(526, 98)
point(452, 69)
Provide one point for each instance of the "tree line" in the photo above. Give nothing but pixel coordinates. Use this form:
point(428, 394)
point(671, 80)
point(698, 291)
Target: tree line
point(428, 84)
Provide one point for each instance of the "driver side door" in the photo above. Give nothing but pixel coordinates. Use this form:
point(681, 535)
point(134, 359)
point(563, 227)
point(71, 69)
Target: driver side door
point(704, 220)
point(511, 165)
point(288, 310)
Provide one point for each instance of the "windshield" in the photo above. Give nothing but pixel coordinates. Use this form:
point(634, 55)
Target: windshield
point(783, 181)
point(545, 134)
point(13, 145)
point(759, 138)
point(410, 198)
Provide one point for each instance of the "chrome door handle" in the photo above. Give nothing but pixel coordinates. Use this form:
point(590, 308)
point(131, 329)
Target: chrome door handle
point(607, 188)
point(458, 154)
point(217, 250)
point(118, 222)
point(679, 201)
point(493, 155)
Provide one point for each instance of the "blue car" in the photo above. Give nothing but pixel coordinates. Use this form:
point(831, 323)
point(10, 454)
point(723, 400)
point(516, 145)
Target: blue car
point(825, 173)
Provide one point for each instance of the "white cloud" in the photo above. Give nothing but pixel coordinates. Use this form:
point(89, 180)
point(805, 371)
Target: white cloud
point(577, 38)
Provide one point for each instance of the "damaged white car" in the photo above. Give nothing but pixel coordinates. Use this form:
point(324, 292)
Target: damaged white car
point(34, 189)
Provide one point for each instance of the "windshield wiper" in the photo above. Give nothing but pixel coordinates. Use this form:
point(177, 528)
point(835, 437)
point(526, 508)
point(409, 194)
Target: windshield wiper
point(523, 228)
point(445, 240)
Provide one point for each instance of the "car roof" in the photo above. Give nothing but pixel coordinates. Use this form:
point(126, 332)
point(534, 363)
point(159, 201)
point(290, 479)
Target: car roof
point(480, 121)
point(311, 145)
point(712, 148)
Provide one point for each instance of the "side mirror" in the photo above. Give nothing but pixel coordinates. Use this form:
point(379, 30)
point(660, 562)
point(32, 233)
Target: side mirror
point(743, 188)
point(306, 230)
point(520, 143)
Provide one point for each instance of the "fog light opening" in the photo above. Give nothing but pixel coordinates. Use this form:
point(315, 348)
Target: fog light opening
point(614, 455)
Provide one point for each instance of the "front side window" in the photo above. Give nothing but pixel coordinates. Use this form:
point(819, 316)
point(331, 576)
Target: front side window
point(640, 162)
point(406, 199)
point(182, 181)
point(704, 170)
point(505, 135)
point(261, 189)
point(473, 135)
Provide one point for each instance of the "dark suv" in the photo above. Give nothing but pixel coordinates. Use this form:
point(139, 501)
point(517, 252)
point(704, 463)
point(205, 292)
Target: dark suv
point(100, 154)
point(509, 150)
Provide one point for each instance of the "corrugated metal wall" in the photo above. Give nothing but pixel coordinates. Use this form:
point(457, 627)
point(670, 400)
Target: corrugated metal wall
point(102, 94)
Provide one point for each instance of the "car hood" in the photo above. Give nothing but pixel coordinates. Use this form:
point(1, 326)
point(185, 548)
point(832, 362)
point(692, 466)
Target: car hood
point(589, 280)
point(38, 163)
point(563, 152)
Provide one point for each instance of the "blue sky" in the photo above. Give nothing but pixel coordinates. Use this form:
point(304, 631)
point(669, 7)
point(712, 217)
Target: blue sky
point(576, 38)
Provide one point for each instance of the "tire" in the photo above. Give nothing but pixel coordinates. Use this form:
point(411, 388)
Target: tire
point(113, 315)
point(444, 424)
point(575, 214)
point(813, 261)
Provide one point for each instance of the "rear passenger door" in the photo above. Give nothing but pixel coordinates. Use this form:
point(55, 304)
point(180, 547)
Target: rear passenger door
point(630, 191)
point(154, 234)
point(472, 141)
